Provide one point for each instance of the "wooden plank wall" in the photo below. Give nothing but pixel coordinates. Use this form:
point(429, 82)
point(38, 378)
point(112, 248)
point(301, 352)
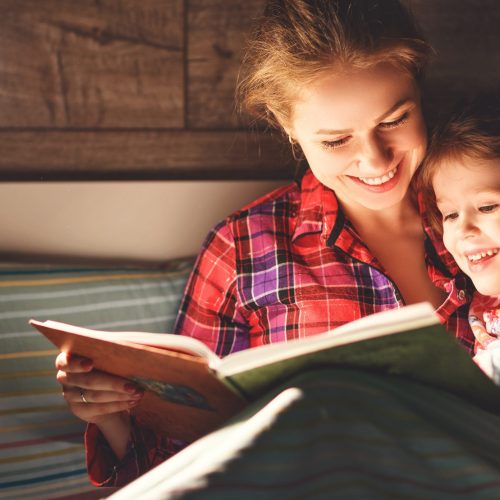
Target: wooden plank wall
point(131, 89)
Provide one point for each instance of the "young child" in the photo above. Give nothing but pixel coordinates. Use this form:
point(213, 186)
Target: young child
point(461, 177)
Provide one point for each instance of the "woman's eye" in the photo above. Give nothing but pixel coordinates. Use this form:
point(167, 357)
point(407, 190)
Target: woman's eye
point(335, 144)
point(486, 209)
point(450, 216)
point(395, 123)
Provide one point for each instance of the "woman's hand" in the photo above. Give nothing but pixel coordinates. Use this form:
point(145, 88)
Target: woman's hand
point(93, 395)
point(98, 397)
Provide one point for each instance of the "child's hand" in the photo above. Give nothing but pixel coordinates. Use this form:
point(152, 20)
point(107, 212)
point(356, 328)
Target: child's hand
point(489, 360)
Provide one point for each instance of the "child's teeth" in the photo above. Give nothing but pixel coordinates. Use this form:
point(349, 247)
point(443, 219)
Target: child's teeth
point(482, 255)
point(376, 181)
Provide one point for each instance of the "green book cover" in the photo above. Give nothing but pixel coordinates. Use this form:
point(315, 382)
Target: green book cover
point(407, 342)
point(191, 391)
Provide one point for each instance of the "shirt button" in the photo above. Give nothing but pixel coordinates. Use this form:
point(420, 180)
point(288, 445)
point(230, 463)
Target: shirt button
point(461, 295)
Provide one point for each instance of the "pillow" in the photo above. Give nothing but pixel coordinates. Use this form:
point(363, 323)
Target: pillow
point(41, 442)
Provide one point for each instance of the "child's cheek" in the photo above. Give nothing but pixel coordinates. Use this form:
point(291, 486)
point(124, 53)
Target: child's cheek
point(450, 245)
point(448, 242)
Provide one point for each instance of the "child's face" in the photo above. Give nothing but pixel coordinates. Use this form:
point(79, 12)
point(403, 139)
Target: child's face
point(468, 197)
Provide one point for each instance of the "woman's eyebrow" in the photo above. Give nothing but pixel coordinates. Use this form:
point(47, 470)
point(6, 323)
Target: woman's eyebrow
point(397, 105)
point(393, 108)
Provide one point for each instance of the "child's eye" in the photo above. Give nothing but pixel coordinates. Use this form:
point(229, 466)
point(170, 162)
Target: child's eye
point(396, 123)
point(486, 209)
point(450, 216)
point(335, 144)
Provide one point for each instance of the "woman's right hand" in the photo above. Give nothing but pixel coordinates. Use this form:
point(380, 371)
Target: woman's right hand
point(94, 396)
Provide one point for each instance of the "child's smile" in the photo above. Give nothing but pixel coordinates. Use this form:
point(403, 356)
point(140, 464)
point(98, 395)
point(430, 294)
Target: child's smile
point(480, 259)
point(468, 197)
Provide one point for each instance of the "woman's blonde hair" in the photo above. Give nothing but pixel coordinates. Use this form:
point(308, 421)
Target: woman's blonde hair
point(297, 41)
point(470, 131)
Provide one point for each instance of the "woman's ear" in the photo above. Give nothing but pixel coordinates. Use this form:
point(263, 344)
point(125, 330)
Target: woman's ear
point(278, 118)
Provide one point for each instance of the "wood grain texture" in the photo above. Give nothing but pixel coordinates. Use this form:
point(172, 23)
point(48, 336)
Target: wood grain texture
point(122, 89)
point(217, 30)
point(106, 155)
point(91, 63)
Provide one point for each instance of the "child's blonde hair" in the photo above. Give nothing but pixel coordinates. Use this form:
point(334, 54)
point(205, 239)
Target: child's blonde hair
point(472, 130)
point(297, 41)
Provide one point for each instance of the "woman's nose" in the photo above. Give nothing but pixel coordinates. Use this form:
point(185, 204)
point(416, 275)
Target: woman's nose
point(375, 155)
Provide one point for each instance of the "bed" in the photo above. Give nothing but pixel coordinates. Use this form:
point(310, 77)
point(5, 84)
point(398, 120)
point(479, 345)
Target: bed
point(120, 149)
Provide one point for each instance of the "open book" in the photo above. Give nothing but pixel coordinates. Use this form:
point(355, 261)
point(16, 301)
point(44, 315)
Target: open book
point(191, 391)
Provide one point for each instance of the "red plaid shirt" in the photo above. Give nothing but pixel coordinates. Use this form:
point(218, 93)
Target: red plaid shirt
point(287, 266)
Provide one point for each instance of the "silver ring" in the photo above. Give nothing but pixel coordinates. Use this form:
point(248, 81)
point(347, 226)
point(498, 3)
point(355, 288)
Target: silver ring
point(82, 396)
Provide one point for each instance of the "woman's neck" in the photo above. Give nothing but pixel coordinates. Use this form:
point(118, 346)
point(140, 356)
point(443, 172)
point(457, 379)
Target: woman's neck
point(402, 218)
point(396, 239)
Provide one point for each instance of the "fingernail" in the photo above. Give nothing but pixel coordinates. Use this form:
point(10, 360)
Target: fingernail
point(86, 363)
point(133, 403)
point(131, 388)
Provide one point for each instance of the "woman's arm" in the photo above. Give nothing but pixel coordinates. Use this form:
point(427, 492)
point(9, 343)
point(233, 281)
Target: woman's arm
point(98, 398)
point(119, 448)
point(211, 307)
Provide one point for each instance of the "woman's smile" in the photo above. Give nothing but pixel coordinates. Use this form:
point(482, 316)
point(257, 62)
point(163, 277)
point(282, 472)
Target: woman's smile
point(363, 135)
point(378, 181)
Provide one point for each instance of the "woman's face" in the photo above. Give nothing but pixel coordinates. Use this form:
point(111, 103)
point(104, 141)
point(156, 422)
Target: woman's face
point(363, 135)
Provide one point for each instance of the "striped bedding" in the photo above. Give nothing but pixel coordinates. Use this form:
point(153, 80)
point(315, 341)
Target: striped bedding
point(41, 451)
point(339, 434)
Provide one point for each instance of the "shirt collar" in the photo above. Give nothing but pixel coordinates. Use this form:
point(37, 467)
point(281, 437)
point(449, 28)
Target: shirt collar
point(437, 241)
point(321, 216)
point(318, 208)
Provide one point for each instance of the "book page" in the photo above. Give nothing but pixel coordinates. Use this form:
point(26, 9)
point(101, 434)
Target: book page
point(376, 325)
point(173, 342)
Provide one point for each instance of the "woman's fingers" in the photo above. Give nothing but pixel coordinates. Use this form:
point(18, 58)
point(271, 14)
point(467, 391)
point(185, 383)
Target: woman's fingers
point(97, 381)
point(99, 412)
point(97, 406)
point(92, 395)
point(68, 362)
point(88, 396)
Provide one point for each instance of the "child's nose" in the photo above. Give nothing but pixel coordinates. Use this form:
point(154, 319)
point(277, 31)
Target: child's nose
point(467, 227)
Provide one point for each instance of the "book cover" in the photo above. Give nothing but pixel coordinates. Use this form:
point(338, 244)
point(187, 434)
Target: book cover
point(190, 391)
point(183, 398)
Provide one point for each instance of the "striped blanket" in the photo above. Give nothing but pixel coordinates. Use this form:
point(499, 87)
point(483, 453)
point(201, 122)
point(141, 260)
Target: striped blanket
point(41, 442)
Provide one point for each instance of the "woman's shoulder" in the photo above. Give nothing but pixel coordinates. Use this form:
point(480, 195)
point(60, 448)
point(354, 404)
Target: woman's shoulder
point(271, 204)
point(265, 214)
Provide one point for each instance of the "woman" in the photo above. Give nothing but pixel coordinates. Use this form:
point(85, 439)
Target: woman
point(341, 78)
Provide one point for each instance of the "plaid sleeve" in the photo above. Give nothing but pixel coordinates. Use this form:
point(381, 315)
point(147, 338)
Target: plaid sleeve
point(145, 450)
point(210, 310)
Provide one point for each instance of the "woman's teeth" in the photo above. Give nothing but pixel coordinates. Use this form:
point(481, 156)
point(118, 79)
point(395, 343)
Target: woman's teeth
point(376, 181)
point(481, 255)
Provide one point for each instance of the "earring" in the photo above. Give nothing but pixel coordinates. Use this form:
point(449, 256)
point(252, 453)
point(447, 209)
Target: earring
point(294, 144)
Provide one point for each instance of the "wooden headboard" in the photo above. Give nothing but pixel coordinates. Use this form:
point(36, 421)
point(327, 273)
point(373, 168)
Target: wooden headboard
point(126, 89)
